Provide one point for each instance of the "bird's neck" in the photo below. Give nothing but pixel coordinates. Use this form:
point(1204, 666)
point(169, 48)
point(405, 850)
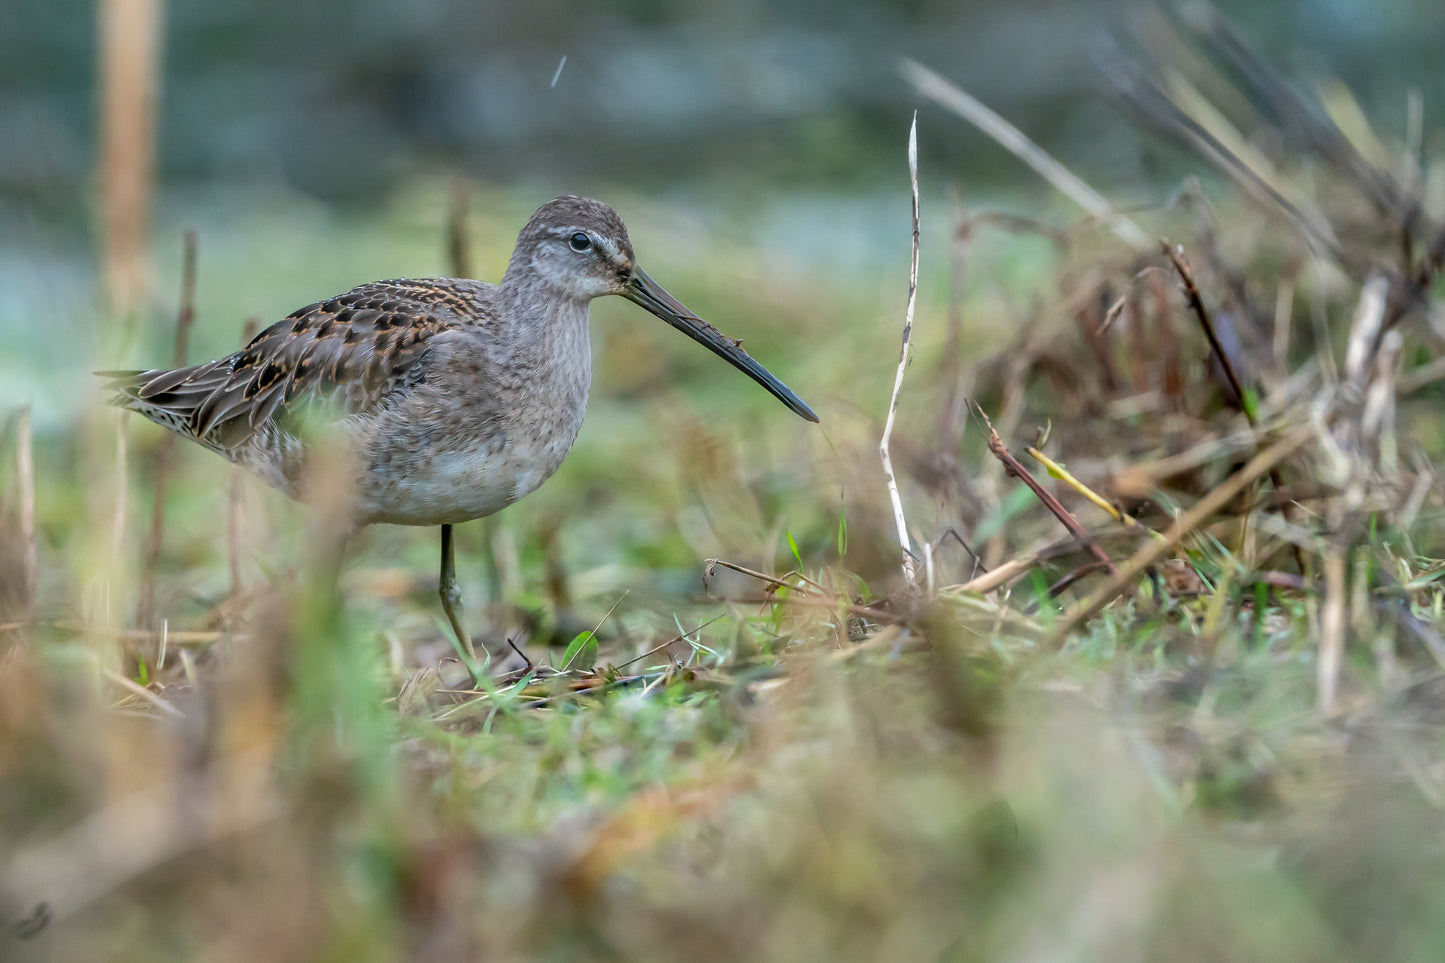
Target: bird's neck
point(543, 325)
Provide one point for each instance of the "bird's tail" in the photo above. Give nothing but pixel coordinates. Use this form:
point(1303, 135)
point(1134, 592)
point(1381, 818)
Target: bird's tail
point(170, 398)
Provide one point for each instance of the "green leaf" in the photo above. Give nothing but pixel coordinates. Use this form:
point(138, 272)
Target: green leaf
point(1251, 404)
point(143, 674)
point(842, 530)
point(797, 557)
point(576, 647)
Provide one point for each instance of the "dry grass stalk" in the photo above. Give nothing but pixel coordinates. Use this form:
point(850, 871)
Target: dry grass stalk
point(1065, 476)
point(459, 243)
point(910, 573)
point(1365, 330)
point(1175, 254)
point(1000, 575)
point(130, 41)
point(1014, 467)
point(951, 97)
point(165, 454)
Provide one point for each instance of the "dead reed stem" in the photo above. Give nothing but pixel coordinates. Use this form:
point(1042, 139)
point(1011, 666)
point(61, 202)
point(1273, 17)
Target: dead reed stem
point(910, 573)
point(1175, 254)
point(1014, 467)
point(459, 243)
point(1067, 477)
point(130, 46)
point(165, 454)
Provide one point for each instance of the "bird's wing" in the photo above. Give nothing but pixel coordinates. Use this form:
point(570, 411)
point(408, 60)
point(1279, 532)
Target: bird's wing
point(356, 349)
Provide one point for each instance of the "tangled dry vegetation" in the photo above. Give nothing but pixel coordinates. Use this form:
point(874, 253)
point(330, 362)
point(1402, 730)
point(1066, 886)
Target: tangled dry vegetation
point(1168, 686)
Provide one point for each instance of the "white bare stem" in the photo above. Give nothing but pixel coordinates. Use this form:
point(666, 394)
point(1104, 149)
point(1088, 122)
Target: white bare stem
point(910, 572)
point(1009, 137)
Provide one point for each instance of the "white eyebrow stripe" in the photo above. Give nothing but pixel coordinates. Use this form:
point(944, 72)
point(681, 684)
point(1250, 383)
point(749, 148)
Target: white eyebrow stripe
point(608, 246)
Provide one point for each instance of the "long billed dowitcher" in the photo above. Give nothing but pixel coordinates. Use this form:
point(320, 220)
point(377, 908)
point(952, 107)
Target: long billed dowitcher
point(453, 398)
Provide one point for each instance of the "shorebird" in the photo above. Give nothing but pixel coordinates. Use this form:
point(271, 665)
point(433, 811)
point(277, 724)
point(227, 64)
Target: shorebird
point(452, 398)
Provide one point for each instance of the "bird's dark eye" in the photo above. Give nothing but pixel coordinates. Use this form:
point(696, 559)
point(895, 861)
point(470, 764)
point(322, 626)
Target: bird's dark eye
point(580, 242)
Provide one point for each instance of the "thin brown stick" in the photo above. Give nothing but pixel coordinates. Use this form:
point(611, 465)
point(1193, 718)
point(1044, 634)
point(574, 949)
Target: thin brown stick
point(165, 454)
point(1067, 477)
point(1152, 551)
point(186, 311)
point(1069, 580)
point(1000, 574)
point(459, 242)
point(776, 581)
point(1015, 467)
point(1175, 254)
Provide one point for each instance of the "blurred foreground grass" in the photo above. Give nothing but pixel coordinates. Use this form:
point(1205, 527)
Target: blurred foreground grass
point(811, 765)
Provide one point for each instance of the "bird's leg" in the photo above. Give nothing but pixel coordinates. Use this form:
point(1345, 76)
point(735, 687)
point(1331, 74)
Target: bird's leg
point(451, 594)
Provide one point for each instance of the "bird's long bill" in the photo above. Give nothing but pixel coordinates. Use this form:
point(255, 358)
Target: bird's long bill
point(648, 293)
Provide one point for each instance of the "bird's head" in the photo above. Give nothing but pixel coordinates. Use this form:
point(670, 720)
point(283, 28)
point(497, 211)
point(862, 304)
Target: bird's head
point(578, 248)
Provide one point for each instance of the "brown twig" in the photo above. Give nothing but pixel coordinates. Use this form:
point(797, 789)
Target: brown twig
point(185, 318)
point(1000, 574)
point(459, 244)
point(1069, 580)
point(1065, 476)
point(776, 581)
point(1014, 467)
point(1175, 254)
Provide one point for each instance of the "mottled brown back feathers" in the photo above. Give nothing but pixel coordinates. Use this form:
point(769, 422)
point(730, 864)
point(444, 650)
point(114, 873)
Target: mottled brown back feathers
point(360, 346)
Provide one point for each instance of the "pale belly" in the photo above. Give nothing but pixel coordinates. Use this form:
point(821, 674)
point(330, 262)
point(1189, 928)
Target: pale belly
point(452, 487)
